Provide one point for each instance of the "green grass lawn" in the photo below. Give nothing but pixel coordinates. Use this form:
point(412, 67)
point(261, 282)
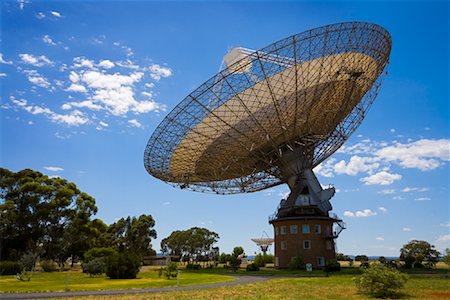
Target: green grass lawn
point(334, 287)
point(78, 281)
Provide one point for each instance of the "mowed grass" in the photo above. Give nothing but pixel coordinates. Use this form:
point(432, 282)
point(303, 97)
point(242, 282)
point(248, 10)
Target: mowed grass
point(78, 281)
point(335, 287)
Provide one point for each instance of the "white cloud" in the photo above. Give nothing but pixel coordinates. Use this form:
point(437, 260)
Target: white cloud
point(423, 154)
point(360, 213)
point(406, 229)
point(387, 192)
point(392, 130)
point(325, 169)
point(103, 124)
point(423, 199)
point(82, 62)
point(3, 61)
point(381, 178)
point(48, 40)
point(146, 106)
point(78, 88)
point(22, 3)
point(414, 189)
point(147, 94)
point(356, 165)
point(443, 238)
point(135, 123)
point(55, 14)
point(166, 203)
point(445, 225)
point(83, 104)
point(40, 15)
point(382, 209)
point(37, 61)
point(157, 71)
point(106, 64)
point(379, 238)
point(54, 169)
point(3, 75)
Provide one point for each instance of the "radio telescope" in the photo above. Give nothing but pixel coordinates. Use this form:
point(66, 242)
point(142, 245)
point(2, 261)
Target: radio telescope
point(269, 117)
point(263, 243)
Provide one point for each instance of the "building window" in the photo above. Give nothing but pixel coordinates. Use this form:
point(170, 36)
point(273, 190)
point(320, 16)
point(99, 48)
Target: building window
point(283, 245)
point(293, 229)
point(283, 230)
point(320, 261)
point(277, 232)
point(306, 244)
point(305, 228)
point(317, 229)
point(329, 245)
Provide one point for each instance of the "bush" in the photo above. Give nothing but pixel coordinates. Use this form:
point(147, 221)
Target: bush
point(98, 252)
point(418, 265)
point(170, 271)
point(380, 281)
point(48, 265)
point(122, 265)
point(262, 259)
point(252, 267)
point(191, 266)
point(8, 267)
point(28, 261)
point(332, 265)
point(297, 263)
point(94, 267)
point(364, 265)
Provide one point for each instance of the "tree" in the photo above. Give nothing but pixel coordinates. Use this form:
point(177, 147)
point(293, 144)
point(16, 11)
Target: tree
point(447, 256)
point(361, 258)
point(36, 211)
point(418, 251)
point(195, 243)
point(133, 235)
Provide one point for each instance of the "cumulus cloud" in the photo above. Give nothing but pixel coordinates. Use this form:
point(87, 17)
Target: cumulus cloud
point(77, 88)
point(54, 169)
point(356, 165)
point(22, 3)
point(74, 118)
point(382, 209)
point(82, 104)
point(424, 154)
point(37, 61)
point(35, 78)
point(106, 64)
point(3, 61)
point(157, 71)
point(82, 62)
point(360, 213)
point(379, 238)
point(40, 15)
point(56, 14)
point(381, 178)
point(443, 238)
point(325, 169)
point(445, 225)
point(48, 40)
point(406, 229)
point(135, 123)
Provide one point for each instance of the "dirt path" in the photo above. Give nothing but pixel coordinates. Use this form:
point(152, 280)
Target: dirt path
point(239, 280)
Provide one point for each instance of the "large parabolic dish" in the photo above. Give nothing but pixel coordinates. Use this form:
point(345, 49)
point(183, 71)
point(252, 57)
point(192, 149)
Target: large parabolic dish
point(272, 113)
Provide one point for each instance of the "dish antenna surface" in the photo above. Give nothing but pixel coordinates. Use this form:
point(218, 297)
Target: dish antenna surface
point(271, 115)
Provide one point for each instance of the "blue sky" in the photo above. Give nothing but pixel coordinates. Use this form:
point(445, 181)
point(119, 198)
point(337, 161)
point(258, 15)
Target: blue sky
point(84, 84)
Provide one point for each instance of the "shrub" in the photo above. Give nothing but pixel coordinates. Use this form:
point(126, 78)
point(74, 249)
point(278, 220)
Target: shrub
point(170, 271)
point(28, 261)
point(252, 267)
point(235, 263)
point(122, 265)
point(191, 266)
point(380, 281)
point(48, 265)
point(364, 265)
point(332, 265)
point(98, 252)
point(8, 267)
point(297, 263)
point(95, 266)
point(418, 265)
point(262, 259)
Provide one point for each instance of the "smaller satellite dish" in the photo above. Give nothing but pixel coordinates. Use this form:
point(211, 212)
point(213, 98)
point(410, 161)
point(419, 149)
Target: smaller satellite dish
point(263, 242)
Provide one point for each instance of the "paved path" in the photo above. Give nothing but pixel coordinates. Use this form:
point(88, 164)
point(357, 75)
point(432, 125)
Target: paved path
point(239, 280)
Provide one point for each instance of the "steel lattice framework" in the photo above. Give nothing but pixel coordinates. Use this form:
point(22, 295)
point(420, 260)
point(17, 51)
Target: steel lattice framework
point(304, 94)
